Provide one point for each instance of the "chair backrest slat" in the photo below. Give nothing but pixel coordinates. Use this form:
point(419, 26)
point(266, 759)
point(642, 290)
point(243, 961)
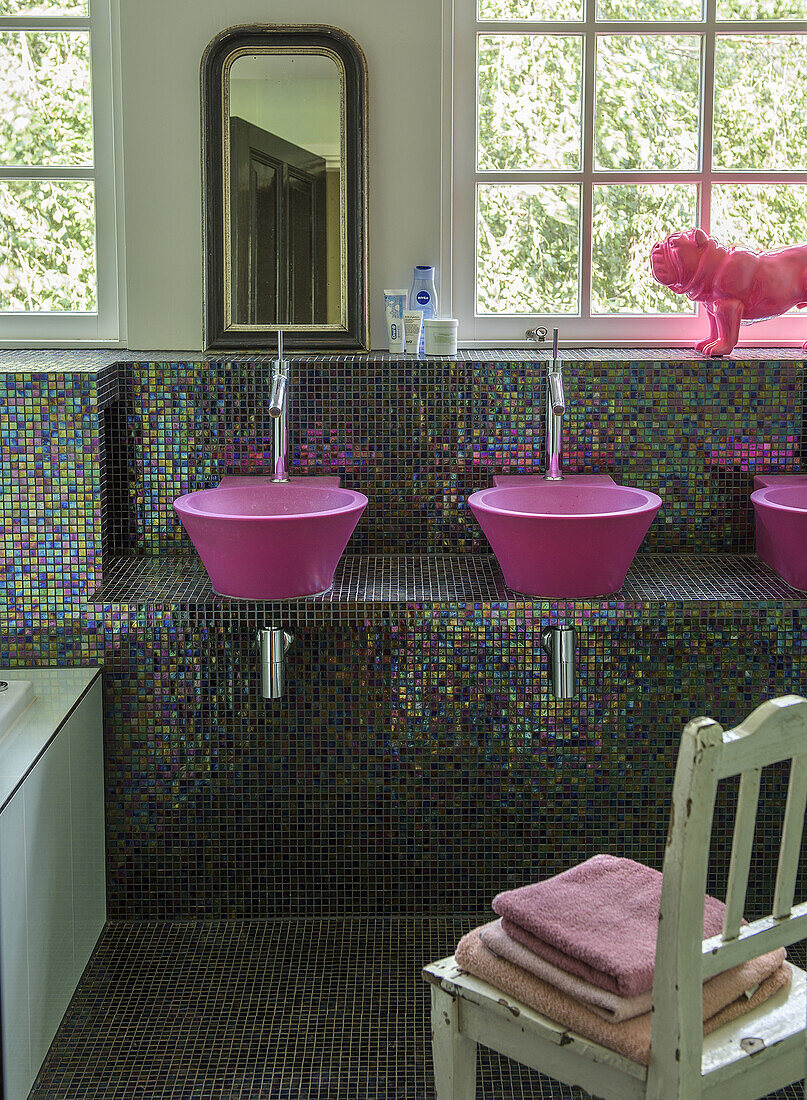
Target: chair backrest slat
point(741, 848)
point(792, 830)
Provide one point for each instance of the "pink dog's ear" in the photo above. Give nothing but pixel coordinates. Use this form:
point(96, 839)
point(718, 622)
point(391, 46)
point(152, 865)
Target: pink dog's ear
point(699, 237)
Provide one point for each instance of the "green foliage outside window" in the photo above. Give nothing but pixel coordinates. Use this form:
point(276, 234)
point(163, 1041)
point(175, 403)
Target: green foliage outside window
point(47, 227)
point(47, 260)
point(44, 7)
point(527, 248)
point(520, 125)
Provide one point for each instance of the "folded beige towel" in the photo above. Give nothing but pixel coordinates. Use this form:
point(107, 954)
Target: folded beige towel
point(721, 1003)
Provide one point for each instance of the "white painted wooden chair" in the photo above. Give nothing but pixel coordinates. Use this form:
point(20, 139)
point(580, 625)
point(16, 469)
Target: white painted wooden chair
point(757, 1054)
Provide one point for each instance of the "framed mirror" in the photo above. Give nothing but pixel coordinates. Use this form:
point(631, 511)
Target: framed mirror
point(284, 160)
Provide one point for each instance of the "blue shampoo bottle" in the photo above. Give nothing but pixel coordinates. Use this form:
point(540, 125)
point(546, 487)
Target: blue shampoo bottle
point(423, 295)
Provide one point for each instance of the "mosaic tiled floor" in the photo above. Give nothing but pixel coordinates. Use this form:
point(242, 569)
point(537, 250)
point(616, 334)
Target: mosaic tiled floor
point(265, 1010)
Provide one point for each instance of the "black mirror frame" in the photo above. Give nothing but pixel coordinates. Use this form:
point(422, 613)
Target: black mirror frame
point(216, 336)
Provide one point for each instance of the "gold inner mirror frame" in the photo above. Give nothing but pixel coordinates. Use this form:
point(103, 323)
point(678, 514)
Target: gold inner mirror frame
point(300, 187)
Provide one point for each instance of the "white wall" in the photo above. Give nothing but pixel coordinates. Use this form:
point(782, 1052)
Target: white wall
point(162, 42)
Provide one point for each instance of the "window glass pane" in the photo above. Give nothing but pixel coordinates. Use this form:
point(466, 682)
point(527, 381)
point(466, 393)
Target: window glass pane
point(546, 11)
point(659, 11)
point(45, 107)
point(647, 103)
point(73, 8)
point(767, 215)
point(627, 220)
point(527, 248)
point(760, 216)
point(529, 101)
point(760, 102)
point(761, 9)
point(47, 258)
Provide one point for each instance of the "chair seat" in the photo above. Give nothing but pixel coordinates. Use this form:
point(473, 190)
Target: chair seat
point(778, 1022)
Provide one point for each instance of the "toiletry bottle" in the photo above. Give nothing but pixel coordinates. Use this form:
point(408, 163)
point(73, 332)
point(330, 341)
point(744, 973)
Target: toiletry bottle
point(423, 295)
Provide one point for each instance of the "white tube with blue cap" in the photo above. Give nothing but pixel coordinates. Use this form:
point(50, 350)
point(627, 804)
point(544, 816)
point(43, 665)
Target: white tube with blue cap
point(394, 306)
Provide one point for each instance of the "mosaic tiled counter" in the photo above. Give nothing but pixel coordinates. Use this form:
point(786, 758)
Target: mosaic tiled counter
point(418, 762)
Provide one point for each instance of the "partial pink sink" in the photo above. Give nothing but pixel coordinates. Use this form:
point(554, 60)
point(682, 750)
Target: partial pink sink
point(573, 538)
point(263, 541)
point(780, 504)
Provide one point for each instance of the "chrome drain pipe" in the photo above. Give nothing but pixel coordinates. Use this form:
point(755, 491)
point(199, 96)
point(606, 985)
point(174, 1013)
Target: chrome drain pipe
point(273, 645)
point(560, 645)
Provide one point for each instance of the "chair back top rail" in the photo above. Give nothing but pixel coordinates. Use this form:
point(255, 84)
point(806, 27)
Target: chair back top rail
point(783, 721)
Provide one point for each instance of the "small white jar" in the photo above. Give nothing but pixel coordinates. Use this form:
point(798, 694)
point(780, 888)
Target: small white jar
point(441, 335)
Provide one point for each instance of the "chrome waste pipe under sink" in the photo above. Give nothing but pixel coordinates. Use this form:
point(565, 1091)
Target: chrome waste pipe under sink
point(560, 645)
point(273, 645)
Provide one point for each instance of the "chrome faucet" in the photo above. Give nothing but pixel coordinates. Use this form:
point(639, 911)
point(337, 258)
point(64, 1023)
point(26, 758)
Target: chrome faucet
point(279, 412)
point(555, 408)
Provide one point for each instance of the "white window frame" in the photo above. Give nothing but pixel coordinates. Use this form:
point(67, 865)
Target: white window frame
point(460, 178)
point(106, 326)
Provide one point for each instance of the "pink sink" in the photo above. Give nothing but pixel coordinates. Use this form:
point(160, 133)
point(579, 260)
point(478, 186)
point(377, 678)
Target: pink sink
point(780, 504)
point(573, 538)
point(262, 541)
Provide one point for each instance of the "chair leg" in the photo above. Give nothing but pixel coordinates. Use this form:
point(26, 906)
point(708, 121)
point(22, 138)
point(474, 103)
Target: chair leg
point(454, 1055)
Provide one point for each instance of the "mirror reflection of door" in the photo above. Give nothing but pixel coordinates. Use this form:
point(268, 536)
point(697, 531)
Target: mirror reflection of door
point(285, 163)
point(279, 206)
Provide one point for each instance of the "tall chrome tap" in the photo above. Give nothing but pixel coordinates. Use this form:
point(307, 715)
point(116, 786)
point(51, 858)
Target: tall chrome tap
point(555, 408)
point(279, 412)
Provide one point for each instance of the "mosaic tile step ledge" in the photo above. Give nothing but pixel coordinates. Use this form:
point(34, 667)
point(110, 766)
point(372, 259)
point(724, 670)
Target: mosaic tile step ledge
point(379, 586)
point(96, 361)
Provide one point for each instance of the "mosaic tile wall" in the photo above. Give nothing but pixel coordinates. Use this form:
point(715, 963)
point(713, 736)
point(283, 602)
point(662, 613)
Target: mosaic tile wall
point(418, 437)
point(418, 763)
point(53, 506)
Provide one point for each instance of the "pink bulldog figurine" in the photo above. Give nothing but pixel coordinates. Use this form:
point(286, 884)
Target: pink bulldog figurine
point(736, 284)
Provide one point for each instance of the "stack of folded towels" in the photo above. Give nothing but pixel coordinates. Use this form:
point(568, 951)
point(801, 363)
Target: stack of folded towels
point(581, 948)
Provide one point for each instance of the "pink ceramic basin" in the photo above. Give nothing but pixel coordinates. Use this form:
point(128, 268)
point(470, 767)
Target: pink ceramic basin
point(781, 514)
point(565, 538)
point(270, 542)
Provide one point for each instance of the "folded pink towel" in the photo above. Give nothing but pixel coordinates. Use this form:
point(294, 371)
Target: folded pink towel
point(597, 920)
point(721, 1003)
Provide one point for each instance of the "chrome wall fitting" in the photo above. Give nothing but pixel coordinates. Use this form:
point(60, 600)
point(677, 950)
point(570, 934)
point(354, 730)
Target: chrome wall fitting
point(273, 645)
point(279, 412)
point(555, 408)
point(560, 645)
point(536, 334)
